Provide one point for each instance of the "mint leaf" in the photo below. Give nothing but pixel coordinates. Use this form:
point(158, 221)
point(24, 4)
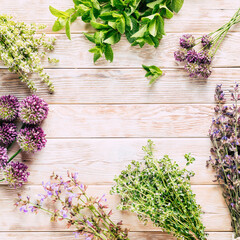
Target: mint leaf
point(108, 53)
point(58, 13)
point(177, 5)
point(153, 72)
point(68, 33)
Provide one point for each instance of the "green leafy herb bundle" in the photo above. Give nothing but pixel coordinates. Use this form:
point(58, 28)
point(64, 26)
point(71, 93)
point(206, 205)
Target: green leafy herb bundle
point(22, 50)
point(158, 190)
point(142, 21)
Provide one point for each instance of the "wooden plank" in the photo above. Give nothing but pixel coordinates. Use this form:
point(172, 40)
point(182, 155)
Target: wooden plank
point(215, 217)
point(122, 86)
point(195, 15)
point(141, 120)
point(108, 157)
point(132, 235)
point(74, 53)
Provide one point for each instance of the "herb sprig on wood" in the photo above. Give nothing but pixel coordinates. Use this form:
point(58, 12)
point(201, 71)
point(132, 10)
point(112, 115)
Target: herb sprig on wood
point(141, 21)
point(158, 190)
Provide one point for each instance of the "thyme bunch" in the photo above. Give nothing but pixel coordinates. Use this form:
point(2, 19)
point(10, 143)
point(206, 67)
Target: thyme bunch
point(159, 191)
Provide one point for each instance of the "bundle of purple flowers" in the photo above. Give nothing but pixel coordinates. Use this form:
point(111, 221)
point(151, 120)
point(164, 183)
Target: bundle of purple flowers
point(67, 200)
point(198, 63)
point(225, 137)
point(30, 138)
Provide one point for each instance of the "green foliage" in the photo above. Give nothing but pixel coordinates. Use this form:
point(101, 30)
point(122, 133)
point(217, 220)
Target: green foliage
point(153, 72)
point(141, 21)
point(158, 190)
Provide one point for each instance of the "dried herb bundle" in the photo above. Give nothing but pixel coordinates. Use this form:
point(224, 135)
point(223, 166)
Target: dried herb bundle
point(225, 136)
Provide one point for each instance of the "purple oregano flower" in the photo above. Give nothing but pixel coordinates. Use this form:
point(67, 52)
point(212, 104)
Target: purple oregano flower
point(3, 157)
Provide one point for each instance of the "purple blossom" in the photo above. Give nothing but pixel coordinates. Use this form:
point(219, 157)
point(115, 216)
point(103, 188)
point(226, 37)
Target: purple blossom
point(192, 69)
point(89, 223)
point(8, 133)
point(9, 107)
point(3, 157)
point(204, 71)
point(192, 56)
point(206, 41)
point(23, 209)
point(187, 41)
point(16, 174)
point(204, 57)
point(33, 110)
point(31, 139)
point(180, 55)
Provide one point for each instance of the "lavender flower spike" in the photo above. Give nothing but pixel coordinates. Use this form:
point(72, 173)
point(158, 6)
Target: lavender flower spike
point(9, 107)
point(31, 139)
point(33, 110)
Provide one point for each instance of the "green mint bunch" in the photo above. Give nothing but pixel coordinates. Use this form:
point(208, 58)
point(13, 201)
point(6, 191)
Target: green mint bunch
point(22, 50)
point(141, 21)
point(159, 191)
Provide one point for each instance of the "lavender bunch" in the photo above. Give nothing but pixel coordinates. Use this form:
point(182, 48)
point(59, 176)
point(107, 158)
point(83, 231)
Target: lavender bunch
point(158, 190)
point(198, 63)
point(22, 50)
point(71, 203)
point(30, 137)
point(225, 137)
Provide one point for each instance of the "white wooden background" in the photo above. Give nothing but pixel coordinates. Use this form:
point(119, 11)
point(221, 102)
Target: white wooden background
point(102, 114)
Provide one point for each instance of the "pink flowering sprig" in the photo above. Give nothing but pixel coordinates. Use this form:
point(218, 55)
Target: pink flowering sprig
point(198, 63)
point(225, 137)
point(70, 202)
point(30, 137)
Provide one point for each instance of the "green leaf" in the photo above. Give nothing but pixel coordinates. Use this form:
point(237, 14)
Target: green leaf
point(153, 4)
point(90, 37)
point(177, 5)
point(120, 24)
point(68, 33)
point(153, 27)
point(58, 25)
point(108, 53)
point(58, 13)
point(140, 33)
point(113, 38)
point(153, 72)
point(99, 26)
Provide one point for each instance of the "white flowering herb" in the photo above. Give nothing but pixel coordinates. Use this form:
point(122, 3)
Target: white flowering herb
point(22, 50)
point(159, 190)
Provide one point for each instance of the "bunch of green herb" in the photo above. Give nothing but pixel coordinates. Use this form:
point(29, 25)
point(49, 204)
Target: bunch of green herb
point(158, 190)
point(142, 21)
point(22, 50)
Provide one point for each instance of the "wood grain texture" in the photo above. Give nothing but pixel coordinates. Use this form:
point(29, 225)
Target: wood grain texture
point(215, 215)
point(107, 157)
point(101, 115)
point(74, 53)
point(123, 86)
point(133, 236)
point(133, 120)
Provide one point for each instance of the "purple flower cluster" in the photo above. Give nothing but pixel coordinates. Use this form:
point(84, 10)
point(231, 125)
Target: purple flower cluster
point(33, 110)
point(225, 137)
point(206, 41)
point(197, 63)
point(8, 133)
point(9, 107)
point(70, 203)
point(31, 139)
point(3, 157)
point(16, 174)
